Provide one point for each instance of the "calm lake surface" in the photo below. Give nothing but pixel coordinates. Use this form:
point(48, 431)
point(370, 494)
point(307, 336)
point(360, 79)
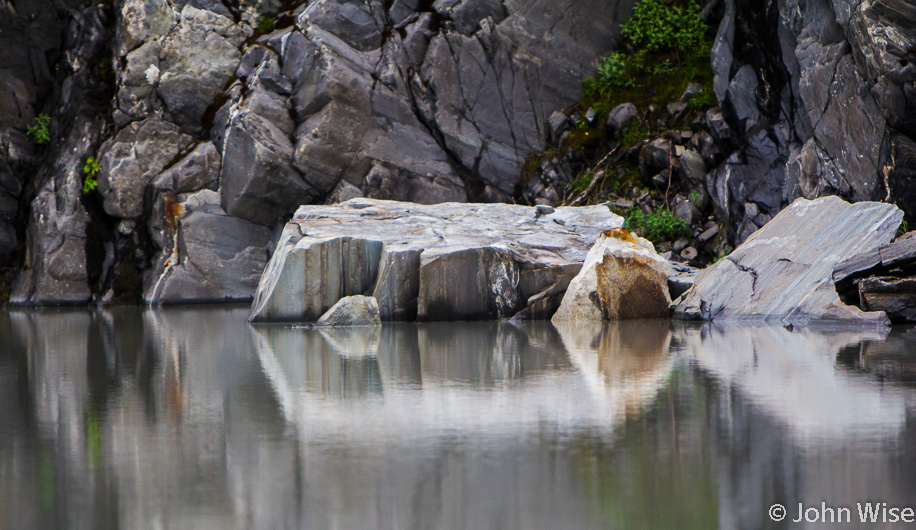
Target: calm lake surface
point(192, 419)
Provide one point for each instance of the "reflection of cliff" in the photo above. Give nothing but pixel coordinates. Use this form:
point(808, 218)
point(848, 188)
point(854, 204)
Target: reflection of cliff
point(132, 419)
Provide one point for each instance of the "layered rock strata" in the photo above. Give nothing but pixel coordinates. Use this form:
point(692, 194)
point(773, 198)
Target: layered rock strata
point(784, 272)
point(883, 279)
point(443, 262)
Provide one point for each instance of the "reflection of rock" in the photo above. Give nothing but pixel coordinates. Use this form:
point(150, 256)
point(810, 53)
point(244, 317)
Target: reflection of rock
point(624, 363)
point(793, 377)
point(784, 271)
point(893, 358)
point(623, 278)
point(444, 262)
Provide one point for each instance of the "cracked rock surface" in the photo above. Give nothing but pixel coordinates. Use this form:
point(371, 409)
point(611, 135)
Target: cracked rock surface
point(820, 97)
point(221, 117)
point(784, 272)
point(444, 262)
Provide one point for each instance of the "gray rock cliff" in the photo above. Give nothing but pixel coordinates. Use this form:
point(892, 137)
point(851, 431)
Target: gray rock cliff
point(217, 119)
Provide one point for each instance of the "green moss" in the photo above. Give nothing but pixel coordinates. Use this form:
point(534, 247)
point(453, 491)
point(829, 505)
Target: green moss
point(266, 23)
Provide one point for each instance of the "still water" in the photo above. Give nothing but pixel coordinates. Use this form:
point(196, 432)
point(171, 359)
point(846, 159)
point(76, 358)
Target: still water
point(192, 419)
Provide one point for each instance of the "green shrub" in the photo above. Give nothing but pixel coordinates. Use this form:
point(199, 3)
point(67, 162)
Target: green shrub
point(656, 26)
point(657, 226)
point(39, 129)
point(90, 172)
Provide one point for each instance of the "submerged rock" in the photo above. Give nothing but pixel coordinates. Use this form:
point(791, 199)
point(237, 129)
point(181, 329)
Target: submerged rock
point(443, 262)
point(623, 278)
point(783, 272)
point(352, 311)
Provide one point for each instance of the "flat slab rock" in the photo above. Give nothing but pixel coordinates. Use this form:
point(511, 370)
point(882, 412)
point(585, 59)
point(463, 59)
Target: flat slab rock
point(447, 261)
point(784, 271)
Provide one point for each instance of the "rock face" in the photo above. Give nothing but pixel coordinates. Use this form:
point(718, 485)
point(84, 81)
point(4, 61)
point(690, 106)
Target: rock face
point(443, 262)
point(882, 279)
point(270, 104)
point(817, 97)
point(63, 228)
point(352, 311)
point(622, 278)
point(784, 272)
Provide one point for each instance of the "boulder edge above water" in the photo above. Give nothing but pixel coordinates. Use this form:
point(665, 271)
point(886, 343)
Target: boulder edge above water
point(450, 261)
point(784, 271)
point(623, 278)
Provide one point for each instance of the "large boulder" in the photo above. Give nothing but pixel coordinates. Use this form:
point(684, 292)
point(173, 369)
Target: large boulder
point(623, 278)
point(444, 262)
point(784, 272)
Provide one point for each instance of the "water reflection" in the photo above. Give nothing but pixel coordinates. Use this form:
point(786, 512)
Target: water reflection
point(191, 419)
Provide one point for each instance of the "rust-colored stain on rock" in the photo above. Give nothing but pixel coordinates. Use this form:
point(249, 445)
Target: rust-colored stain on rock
point(630, 288)
point(622, 234)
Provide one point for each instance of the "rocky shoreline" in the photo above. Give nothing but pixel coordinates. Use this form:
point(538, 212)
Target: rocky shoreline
point(368, 261)
point(152, 151)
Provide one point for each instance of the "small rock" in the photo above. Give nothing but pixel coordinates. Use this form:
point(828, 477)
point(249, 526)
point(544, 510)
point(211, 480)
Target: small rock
point(559, 124)
point(656, 154)
point(543, 209)
point(590, 115)
point(689, 253)
point(677, 111)
point(681, 280)
point(693, 89)
point(717, 125)
point(661, 180)
point(619, 117)
point(623, 204)
point(352, 311)
point(692, 167)
point(708, 234)
point(894, 296)
point(344, 191)
point(685, 211)
point(680, 245)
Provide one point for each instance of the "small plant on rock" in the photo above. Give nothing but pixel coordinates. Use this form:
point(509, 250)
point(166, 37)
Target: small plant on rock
point(657, 226)
point(266, 23)
point(39, 130)
point(90, 173)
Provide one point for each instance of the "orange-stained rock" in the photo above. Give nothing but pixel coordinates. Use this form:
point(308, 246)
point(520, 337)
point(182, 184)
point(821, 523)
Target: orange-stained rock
point(623, 278)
